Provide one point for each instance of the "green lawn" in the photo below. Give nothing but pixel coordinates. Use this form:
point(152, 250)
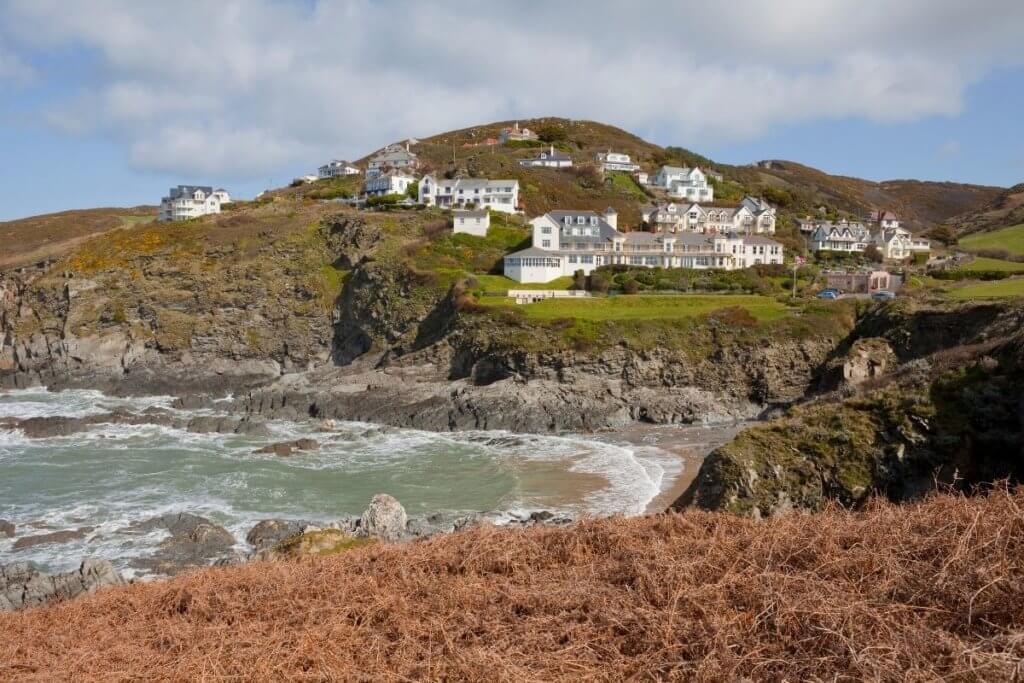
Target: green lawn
point(653, 307)
point(1011, 239)
point(989, 290)
point(983, 263)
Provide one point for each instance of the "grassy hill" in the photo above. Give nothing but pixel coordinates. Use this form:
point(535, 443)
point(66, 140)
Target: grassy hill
point(1010, 240)
point(928, 591)
point(48, 236)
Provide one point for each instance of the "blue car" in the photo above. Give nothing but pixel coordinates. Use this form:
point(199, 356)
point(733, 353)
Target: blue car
point(828, 294)
point(883, 295)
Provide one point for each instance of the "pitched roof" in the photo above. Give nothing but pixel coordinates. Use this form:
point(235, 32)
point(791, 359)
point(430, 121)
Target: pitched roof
point(533, 251)
point(470, 213)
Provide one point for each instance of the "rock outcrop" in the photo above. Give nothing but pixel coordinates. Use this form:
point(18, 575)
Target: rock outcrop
point(385, 519)
point(21, 585)
point(193, 541)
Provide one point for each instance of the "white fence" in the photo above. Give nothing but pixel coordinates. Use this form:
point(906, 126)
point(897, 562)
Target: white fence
point(528, 296)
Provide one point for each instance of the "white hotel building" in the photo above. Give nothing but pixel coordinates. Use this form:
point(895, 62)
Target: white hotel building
point(567, 241)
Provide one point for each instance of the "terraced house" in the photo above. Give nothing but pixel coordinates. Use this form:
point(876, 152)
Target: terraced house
point(568, 241)
point(499, 195)
point(894, 243)
point(751, 216)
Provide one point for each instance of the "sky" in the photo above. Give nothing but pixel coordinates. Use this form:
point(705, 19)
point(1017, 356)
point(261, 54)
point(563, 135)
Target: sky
point(110, 102)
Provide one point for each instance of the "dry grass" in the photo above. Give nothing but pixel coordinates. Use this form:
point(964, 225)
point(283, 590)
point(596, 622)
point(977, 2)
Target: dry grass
point(923, 592)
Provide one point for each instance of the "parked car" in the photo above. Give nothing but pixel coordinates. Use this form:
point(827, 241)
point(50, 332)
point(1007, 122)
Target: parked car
point(883, 295)
point(828, 294)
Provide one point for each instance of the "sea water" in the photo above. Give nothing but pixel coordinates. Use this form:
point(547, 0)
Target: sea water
point(113, 475)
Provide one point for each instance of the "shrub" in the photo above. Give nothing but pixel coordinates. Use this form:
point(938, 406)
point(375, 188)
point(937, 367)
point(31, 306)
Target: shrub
point(552, 132)
point(631, 286)
point(599, 282)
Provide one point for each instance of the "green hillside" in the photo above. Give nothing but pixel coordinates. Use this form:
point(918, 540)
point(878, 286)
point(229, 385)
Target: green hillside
point(1009, 239)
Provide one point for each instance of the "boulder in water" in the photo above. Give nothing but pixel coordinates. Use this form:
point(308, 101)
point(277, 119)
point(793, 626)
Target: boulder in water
point(53, 537)
point(269, 532)
point(193, 541)
point(7, 528)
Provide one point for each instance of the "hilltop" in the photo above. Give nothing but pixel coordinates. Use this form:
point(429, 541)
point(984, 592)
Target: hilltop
point(928, 591)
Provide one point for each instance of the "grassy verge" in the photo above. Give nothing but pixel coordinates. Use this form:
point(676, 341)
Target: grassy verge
point(653, 307)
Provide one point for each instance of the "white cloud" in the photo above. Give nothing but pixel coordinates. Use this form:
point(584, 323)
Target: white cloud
point(243, 87)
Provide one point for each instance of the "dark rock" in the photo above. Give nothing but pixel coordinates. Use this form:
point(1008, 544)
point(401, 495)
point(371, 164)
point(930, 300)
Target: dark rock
point(22, 585)
point(193, 541)
point(7, 528)
point(53, 537)
point(269, 532)
point(286, 448)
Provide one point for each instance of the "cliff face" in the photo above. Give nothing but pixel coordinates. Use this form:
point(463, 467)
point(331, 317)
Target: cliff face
point(952, 414)
point(174, 308)
point(328, 312)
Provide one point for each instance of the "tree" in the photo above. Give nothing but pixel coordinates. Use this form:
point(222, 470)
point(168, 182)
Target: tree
point(413, 191)
point(552, 133)
point(631, 286)
point(873, 253)
point(944, 234)
point(579, 280)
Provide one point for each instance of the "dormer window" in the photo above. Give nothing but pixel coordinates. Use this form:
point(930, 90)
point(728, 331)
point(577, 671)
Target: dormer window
point(568, 220)
point(580, 220)
point(593, 220)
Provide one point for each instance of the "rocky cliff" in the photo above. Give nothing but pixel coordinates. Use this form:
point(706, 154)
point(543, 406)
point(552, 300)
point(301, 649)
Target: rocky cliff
point(951, 413)
point(302, 308)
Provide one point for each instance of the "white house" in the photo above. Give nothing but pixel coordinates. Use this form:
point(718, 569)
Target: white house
point(474, 222)
point(500, 195)
point(392, 157)
point(191, 201)
point(549, 158)
point(854, 237)
point(335, 168)
point(615, 161)
point(842, 236)
point(392, 182)
point(897, 243)
point(685, 183)
point(515, 133)
point(567, 241)
point(751, 216)
point(641, 177)
point(304, 180)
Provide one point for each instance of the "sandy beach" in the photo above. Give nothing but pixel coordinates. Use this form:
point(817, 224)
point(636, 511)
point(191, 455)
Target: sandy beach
point(690, 443)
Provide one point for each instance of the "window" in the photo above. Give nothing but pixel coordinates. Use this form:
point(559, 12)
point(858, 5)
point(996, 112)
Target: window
point(572, 258)
point(580, 220)
point(546, 244)
point(546, 230)
point(586, 259)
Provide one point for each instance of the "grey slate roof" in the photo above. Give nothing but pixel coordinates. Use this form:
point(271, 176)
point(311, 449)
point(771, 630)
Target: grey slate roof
point(189, 190)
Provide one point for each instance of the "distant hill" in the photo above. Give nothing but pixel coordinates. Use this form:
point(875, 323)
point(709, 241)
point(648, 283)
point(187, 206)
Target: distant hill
point(796, 189)
point(1005, 209)
point(38, 238)
point(921, 204)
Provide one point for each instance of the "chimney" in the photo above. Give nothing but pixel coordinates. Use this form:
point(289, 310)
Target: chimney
point(611, 217)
